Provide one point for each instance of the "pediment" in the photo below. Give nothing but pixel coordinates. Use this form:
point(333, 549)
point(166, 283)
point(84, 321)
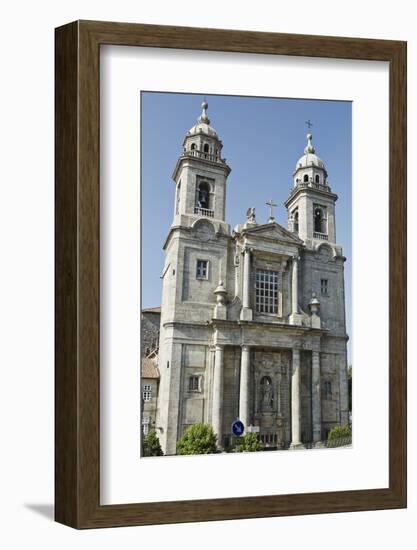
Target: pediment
point(272, 231)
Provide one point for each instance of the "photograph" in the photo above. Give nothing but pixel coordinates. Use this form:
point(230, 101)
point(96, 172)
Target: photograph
point(245, 284)
point(209, 266)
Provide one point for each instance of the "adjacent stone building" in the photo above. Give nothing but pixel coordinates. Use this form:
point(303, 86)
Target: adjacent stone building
point(252, 320)
point(150, 387)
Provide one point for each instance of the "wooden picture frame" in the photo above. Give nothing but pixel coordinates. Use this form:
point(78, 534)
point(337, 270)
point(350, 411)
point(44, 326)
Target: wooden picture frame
point(77, 405)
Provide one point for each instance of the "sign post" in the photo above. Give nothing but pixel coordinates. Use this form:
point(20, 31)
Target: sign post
point(238, 428)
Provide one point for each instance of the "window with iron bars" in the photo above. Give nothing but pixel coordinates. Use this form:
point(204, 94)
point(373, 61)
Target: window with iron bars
point(202, 269)
point(194, 383)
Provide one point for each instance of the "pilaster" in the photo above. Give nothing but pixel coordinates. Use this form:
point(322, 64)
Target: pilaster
point(217, 416)
point(244, 387)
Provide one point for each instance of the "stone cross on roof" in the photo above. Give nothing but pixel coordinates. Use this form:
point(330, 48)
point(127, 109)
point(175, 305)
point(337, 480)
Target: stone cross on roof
point(271, 204)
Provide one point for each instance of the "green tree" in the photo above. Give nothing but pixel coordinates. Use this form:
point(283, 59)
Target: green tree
point(198, 439)
point(151, 445)
point(248, 443)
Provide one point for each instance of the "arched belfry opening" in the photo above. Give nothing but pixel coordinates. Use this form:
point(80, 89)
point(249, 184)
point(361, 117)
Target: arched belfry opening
point(320, 222)
point(203, 196)
point(296, 221)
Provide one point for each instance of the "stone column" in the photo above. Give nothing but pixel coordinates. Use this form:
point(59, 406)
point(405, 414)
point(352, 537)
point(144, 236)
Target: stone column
point(246, 313)
point(294, 301)
point(316, 396)
point(295, 400)
point(244, 387)
point(246, 278)
point(295, 317)
point(344, 392)
point(279, 313)
point(217, 416)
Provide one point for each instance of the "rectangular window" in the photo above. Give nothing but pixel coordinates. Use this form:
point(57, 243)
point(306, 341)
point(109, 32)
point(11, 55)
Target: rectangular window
point(194, 383)
point(266, 291)
point(202, 269)
point(324, 286)
point(147, 392)
point(145, 425)
point(327, 389)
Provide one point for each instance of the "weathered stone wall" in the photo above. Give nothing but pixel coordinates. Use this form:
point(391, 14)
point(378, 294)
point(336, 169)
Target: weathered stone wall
point(193, 402)
point(231, 376)
point(316, 266)
point(330, 398)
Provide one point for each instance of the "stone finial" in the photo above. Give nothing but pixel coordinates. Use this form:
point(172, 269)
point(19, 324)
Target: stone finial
point(220, 293)
point(203, 117)
point(220, 310)
point(309, 148)
point(314, 306)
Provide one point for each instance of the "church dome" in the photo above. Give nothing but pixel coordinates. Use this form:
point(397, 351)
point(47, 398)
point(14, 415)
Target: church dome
point(309, 158)
point(203, 124)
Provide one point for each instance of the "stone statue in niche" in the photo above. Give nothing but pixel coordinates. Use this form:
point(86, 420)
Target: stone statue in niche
point(267, 393)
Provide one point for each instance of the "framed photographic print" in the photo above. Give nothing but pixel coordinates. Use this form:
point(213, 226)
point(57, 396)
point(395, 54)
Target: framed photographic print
point(230, 274)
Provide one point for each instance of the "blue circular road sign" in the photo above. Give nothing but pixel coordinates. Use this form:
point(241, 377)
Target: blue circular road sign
point(238, 428)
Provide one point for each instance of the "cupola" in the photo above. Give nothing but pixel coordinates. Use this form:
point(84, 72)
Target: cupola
point(310, 169)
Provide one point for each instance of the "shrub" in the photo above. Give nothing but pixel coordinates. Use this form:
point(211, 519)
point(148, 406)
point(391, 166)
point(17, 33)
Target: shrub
point(248, 443)
point(340, 435)
point(151, 445)
point(198, 439)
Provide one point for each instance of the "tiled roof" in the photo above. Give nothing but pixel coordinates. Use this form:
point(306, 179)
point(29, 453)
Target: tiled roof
point(149, 369)
point(152, 310)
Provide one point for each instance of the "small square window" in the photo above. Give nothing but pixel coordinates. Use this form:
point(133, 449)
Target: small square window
point(324, 287)
point(194, 383)
point(147, 392)
point(202, 269)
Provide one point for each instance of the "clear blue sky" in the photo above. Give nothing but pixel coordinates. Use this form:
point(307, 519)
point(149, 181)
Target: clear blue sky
point(262, 141)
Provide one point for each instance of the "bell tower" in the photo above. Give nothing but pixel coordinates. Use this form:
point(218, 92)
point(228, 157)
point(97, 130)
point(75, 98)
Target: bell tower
point(311, 204)
point(200, 176)
point(195, 281)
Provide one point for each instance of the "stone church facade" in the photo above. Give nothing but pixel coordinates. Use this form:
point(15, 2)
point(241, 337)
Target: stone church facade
point(252, 319)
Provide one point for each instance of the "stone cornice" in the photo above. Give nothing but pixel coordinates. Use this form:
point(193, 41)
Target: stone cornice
point(175, 228)
point(221, 165)
point(311, 191)
point(296, 329)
